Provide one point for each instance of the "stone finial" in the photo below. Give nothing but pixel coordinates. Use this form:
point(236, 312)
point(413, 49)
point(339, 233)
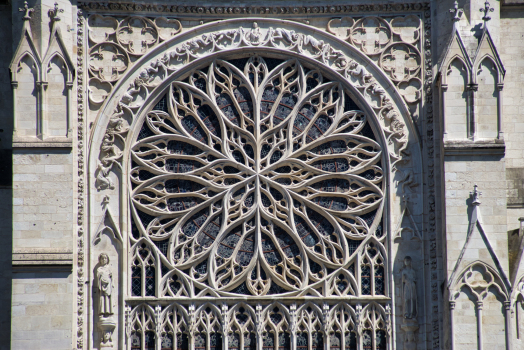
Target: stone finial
point(487, 9)
point(28, 10)
point(457, 13)
point(476, 195)
point(53, 13)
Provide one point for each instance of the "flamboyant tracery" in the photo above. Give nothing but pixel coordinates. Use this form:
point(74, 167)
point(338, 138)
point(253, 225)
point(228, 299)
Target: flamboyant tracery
point(258, 177)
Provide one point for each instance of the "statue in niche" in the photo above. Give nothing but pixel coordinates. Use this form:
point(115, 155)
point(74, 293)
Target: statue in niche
point(409, 304)
point(409, 290)
point(104, 278)
point(104, 284)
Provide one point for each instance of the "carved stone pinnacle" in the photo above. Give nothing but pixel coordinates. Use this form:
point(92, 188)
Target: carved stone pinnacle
point(457, 13)
point(28, 10)
point(53, 13)
point(487, 9)
point(476, 195)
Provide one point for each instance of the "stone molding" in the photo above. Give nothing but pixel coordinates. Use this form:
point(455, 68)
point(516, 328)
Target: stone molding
point(43, 144)
point(184, 9)
point(42, 256)
point(475, 148)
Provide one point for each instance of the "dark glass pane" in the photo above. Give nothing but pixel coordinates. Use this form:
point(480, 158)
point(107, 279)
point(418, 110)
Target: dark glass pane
point(166, 342)
point(150, 341)
point(317, 341)
point(215, 341)
point(284, 341)
point(335, 341)
point(150, 281)
point(302, 341)
point(182, 341)
point(366, 280)
point(250, 341)
point(136, 281)
point(200, 341)
point(233, 341)
point(351, 341)
point(381, 340)
point(136, 343)
point(379, 280)
point(161, 105)
point(367, 339)
point(268, 341)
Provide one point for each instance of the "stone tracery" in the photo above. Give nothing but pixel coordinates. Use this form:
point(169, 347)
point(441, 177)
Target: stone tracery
point(319, 278)
point(259, 176)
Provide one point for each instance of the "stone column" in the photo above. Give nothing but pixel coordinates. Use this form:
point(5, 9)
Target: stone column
point(499, 111)
point(479, 306)
point(471, 118)
point(443, 90)
point(452, 322)
point(507, 315)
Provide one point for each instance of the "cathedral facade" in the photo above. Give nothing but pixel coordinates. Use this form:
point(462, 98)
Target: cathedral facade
point(263, 175)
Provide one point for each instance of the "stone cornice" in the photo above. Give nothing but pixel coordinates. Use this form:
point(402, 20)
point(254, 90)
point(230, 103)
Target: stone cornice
point(185, 9)
point(42, 256)
point(474, 148)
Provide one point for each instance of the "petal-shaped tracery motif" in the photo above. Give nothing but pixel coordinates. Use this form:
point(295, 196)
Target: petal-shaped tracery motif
point(260, 175)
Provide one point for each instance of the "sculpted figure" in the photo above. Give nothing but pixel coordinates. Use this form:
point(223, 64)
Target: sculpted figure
point(281, 33)
point(102, 180)
point(359, 71)
point(104, 278)
point(409, 290)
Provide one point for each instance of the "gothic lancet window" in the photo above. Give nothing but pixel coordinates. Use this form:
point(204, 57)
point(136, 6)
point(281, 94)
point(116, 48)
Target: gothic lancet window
point(251, 178)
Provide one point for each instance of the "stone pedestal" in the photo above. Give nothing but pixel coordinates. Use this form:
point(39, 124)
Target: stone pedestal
point(107, 326)
point(410, 326)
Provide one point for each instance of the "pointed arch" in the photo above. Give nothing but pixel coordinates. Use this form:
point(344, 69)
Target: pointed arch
point(478, 288)
point(277, 326)
point(144, 269)
point(241, 332)
point(310, 327)
point(142, 327)
point(488, 77)
point(374, 323)
point(174, 328)
point(342, 328)
point(57, 47)
point(208, 327)
point(487, 48)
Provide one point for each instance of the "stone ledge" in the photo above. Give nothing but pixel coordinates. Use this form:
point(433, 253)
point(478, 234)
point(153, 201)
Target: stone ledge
point(475, 148)
point(42, 256)
point(43, 144)
point(512, 2)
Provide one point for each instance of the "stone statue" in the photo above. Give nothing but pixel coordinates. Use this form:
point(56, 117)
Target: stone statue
point(104, 278)
point(409, 290)
point(409, 305)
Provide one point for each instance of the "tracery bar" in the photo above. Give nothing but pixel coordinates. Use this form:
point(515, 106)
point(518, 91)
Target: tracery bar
point(205, 326)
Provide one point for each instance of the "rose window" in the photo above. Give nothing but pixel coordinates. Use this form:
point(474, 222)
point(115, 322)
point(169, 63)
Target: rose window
point(256, 176)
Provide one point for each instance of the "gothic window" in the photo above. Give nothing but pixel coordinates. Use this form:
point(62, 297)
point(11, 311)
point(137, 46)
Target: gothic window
point(174, 334)
point(374, 325)
point(208, 330)
point(142, 328)
point(251, 178)
point(242, 327)
point(143, 279)
point(372, 270)
point(309, 323)
point(342, 329)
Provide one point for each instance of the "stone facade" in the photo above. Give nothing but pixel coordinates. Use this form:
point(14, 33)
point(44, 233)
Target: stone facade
point(224, 175)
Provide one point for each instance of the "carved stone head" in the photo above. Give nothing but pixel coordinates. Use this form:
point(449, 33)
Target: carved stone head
point(103, 259)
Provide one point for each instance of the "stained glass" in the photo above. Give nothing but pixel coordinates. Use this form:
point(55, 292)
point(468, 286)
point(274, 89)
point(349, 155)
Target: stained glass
point(256, 176)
